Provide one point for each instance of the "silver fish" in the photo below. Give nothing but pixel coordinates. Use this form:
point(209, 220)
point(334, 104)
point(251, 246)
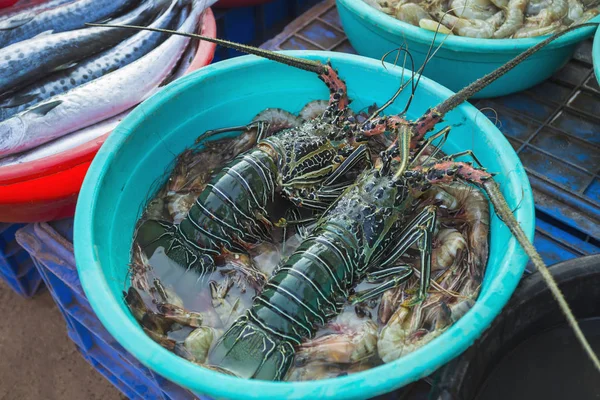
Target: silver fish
point(24, 62)
point(92, 132)
point(28, 11)
point(66, 142)
point(60, 19)
point(92, 68)
point(96, 100)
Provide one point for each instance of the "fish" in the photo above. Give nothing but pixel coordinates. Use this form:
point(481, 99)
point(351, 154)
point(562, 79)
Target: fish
point(31, 9)
point(96, 100)
point(95, 131)
point(186, 61)
point(63, 18)
point(66, 142)
point(25, 62)
point(91, 68)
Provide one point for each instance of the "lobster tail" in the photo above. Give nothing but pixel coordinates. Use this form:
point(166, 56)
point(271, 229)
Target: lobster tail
point(249, 351)
point(153, 234)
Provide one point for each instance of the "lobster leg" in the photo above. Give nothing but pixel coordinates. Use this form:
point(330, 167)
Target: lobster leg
point(398, 274)
point(464, 153)
point(263, 128)
point(443, 134)
point(333, 186)
point(420, 231)
point(361, 153)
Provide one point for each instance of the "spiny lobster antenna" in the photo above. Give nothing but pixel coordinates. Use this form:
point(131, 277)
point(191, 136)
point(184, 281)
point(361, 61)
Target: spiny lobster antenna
point(466, 93)
point(430, 54)
point(307, 65)
point(506, 215)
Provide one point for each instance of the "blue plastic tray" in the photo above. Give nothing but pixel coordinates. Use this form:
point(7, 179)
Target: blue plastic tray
point(16, 267)
point(50, 247)
point(255, 24)
point(554, 127)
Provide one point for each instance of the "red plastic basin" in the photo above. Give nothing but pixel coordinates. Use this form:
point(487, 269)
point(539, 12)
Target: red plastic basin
point(47, 189)
point(239, 3)
point(7, 3)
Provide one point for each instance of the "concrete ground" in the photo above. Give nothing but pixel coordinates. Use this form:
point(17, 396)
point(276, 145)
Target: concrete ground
point(37, 359)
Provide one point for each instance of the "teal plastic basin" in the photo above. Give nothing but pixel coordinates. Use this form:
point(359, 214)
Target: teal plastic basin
point(134, 161)
point(596, 55)
point(461, 60)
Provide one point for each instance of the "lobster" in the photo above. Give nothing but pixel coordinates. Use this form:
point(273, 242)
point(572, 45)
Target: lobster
point(363, 228)
point(310, 165)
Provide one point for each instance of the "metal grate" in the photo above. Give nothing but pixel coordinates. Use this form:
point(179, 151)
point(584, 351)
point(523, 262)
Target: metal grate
point(553, 127)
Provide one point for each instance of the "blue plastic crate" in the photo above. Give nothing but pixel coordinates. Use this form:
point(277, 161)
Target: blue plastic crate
point(554, 127)
point(255, 24)
point(51, 250)
point(16, 267)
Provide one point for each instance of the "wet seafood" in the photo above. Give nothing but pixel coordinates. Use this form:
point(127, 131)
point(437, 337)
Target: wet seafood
point(473, 28)
point(488, 19)
point(124, 53)
point(64, 17)
point(515, 15)
point(474, 9)
point(351, 340)
point(362, 236)
point(114, 93)
point(31, 9)
point(25, 62)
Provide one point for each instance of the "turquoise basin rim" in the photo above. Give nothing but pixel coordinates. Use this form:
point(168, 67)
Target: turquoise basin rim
point(381, 21)
point(596, 55)
point(374, 381)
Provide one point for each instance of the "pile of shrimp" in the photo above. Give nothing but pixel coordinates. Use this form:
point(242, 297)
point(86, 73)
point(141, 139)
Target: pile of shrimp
point(187, 314)
point(491, 19)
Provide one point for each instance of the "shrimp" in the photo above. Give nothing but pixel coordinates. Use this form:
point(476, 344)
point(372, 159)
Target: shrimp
point(586, 16)
point(515, 15)
point(411, 13)
point(575, 11)
point(434, 26)
point(226, 311)
point(535, 6)
point(404, 332)
point(473, 9)
point(139, 269)
point(389, 303)
point(180, 315)
point(533, 31)
point(198, 343)
point(474, 211)
point(345, 350)
point(352, 341)
point(409, 328)
point(473, 28)
point(448, 249)
point(554, 12)
point(313, 371)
